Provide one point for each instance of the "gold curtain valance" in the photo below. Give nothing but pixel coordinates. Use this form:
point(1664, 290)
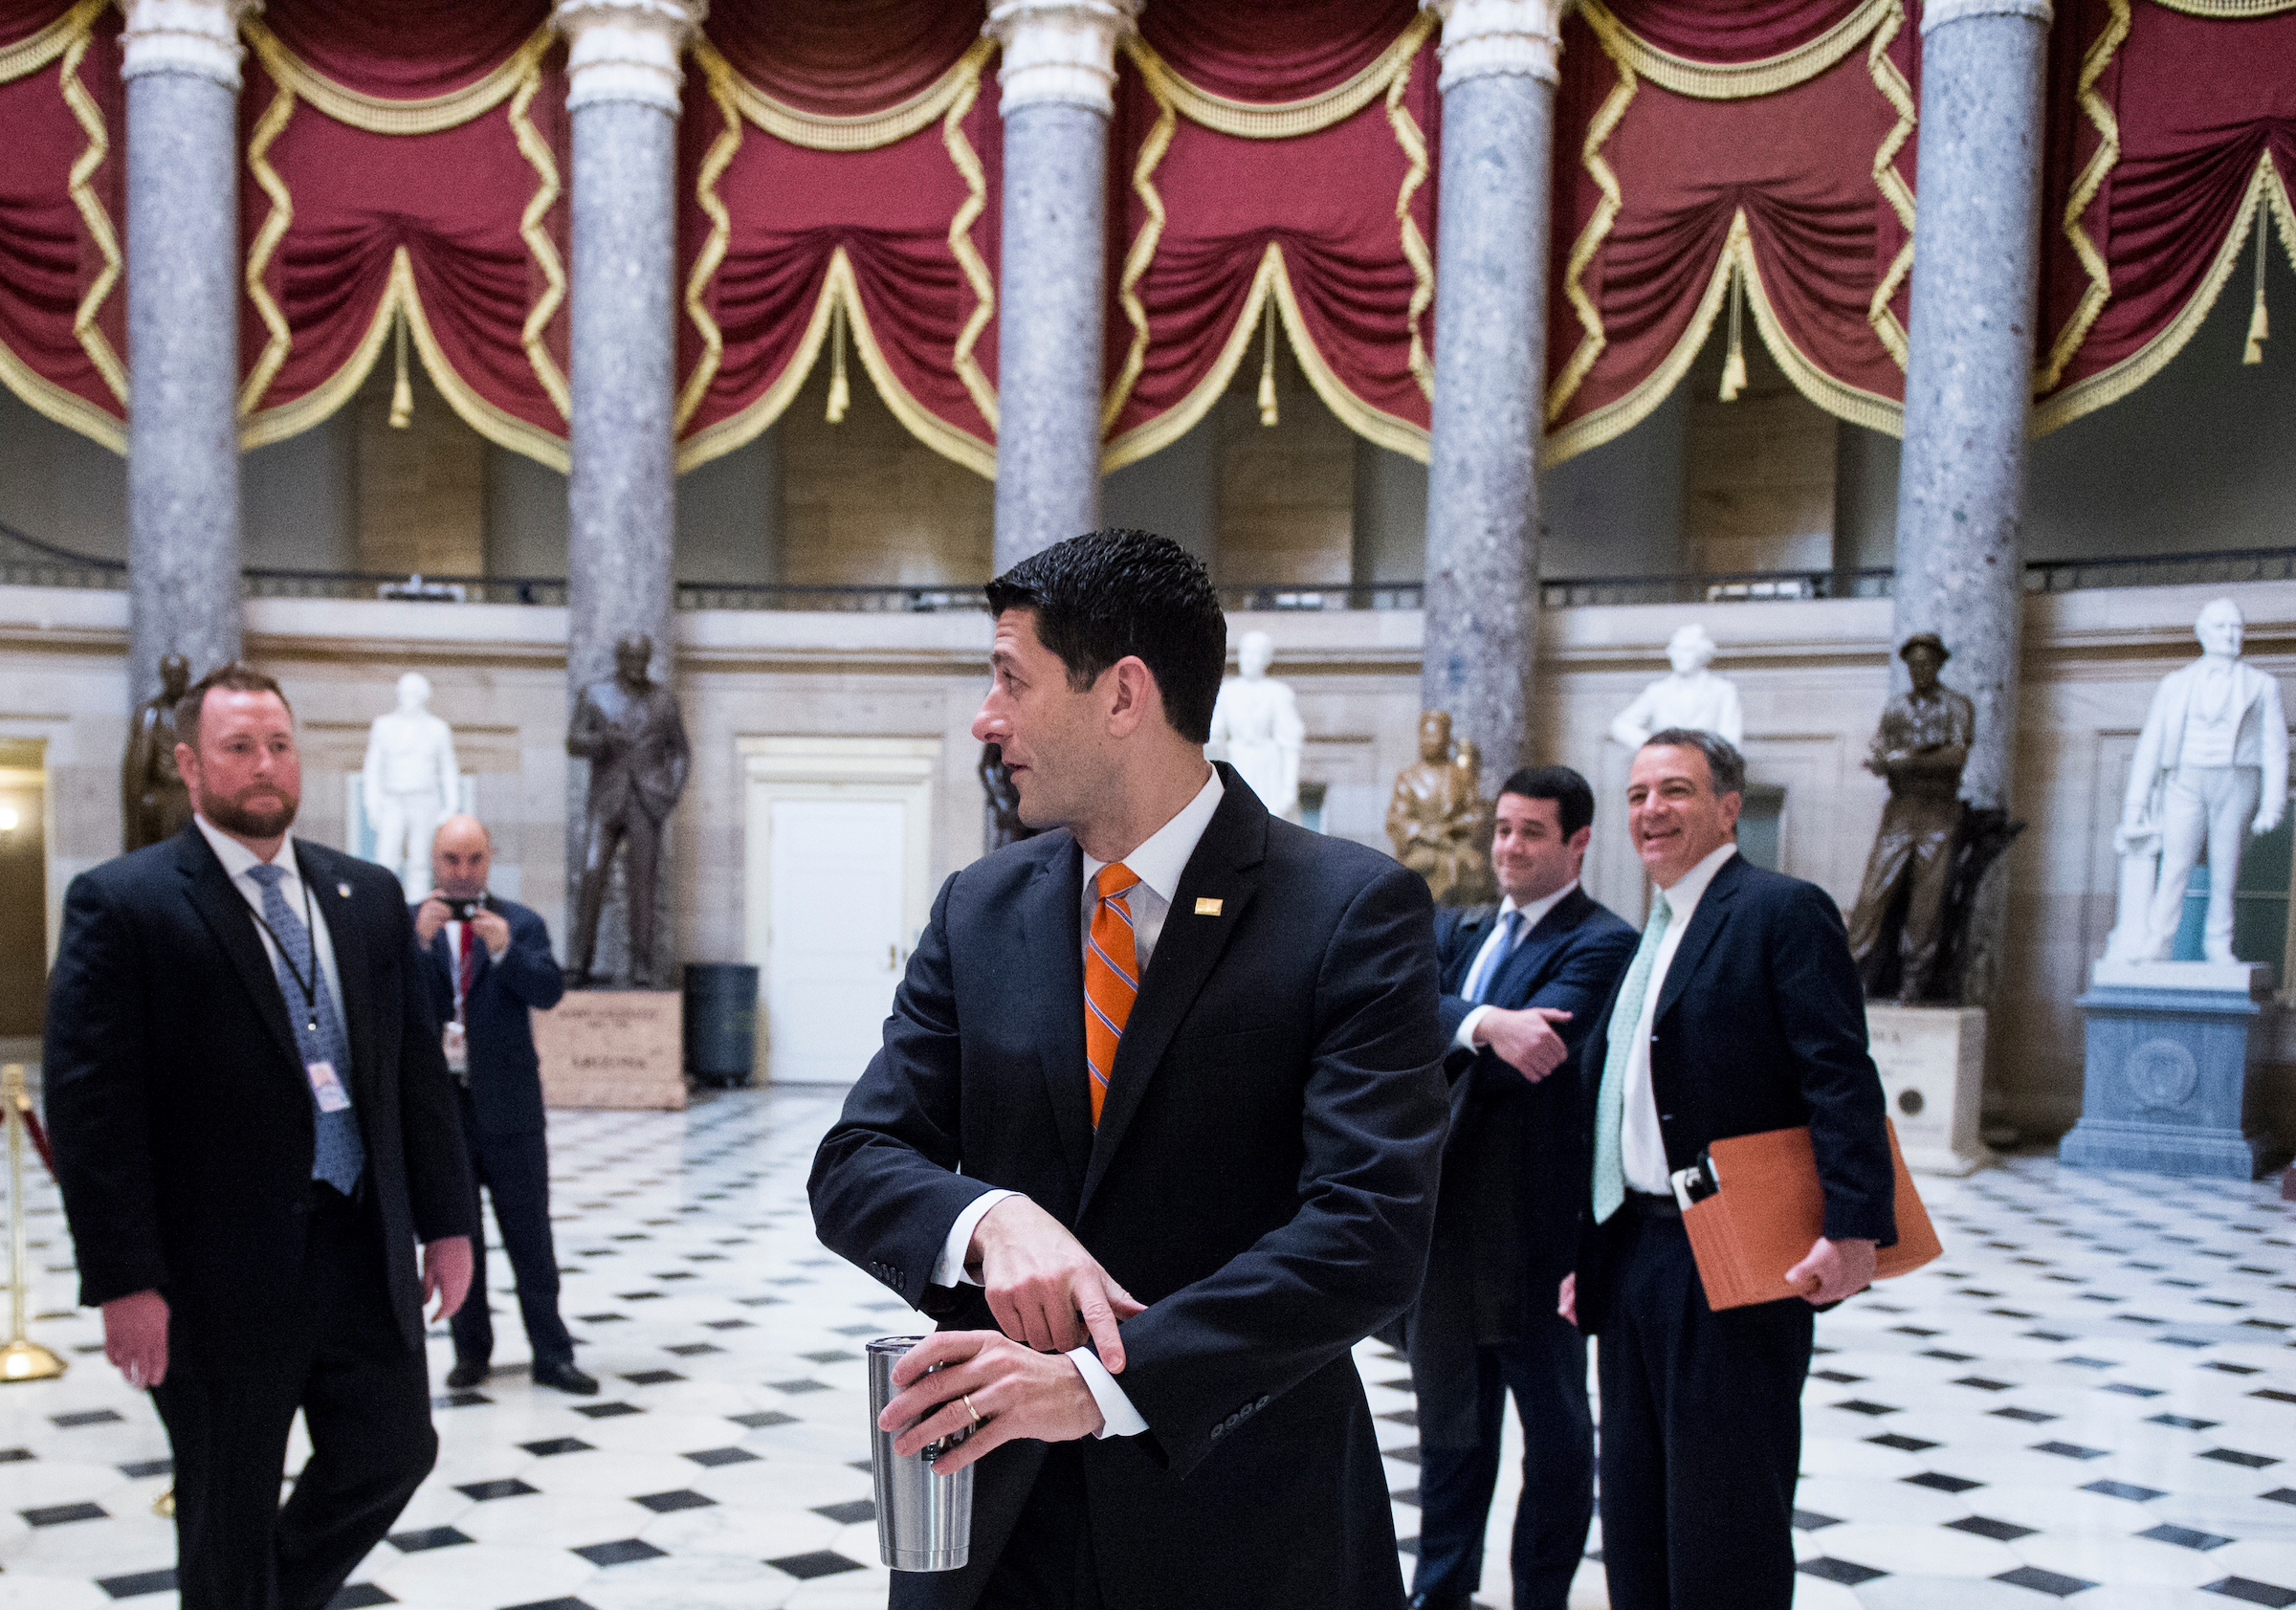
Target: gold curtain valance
point(2228, 10)
point(378, 115)
point(36, 51)
point(1281, 120)
point(1743, 80)
point(820, 132)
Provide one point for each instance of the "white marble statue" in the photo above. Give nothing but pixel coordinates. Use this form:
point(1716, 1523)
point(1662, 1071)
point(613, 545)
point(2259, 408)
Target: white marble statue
point(2210, 766)
point(410, 782)
point(1257, 721)
point(1692, 698)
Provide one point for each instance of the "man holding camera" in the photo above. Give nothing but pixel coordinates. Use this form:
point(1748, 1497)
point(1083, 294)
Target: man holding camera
point(487, 961)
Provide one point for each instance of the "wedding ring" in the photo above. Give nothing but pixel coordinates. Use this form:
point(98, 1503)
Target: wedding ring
point(967, 1400)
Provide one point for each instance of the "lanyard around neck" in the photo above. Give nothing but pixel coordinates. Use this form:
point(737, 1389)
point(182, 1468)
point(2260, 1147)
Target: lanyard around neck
point(310, 991)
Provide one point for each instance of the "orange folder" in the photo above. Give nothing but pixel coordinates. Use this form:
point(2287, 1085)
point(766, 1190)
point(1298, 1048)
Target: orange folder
point(1766, 1210)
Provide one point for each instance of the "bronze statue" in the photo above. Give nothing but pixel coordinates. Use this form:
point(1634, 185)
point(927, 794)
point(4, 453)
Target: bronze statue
point(154, 805)
point(1004, 824)
point(1898, 931)
point(630, 730)
point(1437, 818)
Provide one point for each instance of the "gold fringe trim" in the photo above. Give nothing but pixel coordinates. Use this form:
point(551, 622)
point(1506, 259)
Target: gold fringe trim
point(1893, 184)
point(1281, 120)
point(1414, 141)
point(2228, 10)
point(961, 244)
point(1592, 338)
point(707, 260)
point(2267, 193)
point(533, 229)
point(818, 132)
point(92, 216)
point(1741, 81)
point(67, 408)
point(2099, 290)
point(36, 51)
point(292, 419)
point(1142, 251)
point(379, 115)
point(740, 430)
point(279, 340)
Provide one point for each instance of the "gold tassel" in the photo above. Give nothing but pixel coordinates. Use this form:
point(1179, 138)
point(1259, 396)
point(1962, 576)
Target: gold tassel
point(1268, 415)
point(1734, 367)
point(841, 395)
point(402, 389)
point(2260, 323)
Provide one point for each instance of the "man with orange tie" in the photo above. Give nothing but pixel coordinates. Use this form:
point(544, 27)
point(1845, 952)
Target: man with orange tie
point(1154, 1133)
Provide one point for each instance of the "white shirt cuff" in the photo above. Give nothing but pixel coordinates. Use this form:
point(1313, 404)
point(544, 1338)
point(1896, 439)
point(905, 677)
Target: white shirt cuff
point(950, 1270)
point(1465, 1038)
point(1122, 1419)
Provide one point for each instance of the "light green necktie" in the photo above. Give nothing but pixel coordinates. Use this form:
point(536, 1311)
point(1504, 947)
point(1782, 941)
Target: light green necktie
point(1610, 1101)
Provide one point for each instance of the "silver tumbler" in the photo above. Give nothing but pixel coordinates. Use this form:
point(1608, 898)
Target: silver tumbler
point(924, 1518)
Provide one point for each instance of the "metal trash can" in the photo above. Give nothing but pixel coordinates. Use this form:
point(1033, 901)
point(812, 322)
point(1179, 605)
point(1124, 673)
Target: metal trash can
point(722, 1022)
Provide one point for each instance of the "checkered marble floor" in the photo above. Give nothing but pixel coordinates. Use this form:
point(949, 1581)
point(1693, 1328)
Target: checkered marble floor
point(2092, 1399)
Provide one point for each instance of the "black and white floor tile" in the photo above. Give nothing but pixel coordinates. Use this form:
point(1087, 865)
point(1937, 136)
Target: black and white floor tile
point(2092, 1399)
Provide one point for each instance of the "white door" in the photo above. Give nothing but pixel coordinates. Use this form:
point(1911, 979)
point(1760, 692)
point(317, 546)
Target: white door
point(835, 943)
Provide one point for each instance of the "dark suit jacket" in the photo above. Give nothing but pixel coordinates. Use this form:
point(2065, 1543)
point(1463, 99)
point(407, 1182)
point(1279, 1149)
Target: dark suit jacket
point(181, 1113)
point(1514, 1166)
point(1263, 1176)
point(506, 1079)
point(1760, 1025)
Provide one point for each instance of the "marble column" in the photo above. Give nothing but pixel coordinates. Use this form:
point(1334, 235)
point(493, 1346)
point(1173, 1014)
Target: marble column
point(623, 81)
point(1499, 70)
point(1056, 78)
point(1969, 378)
point(181, 60)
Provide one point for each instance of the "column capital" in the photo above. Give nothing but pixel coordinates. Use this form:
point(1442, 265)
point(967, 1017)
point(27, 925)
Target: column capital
point(1936, 14)
point(626, 50)
point(1060, 51)
point(1486, 38)
point(198, 38)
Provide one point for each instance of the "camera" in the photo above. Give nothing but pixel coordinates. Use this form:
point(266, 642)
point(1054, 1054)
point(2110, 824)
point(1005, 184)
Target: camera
point(462, 909)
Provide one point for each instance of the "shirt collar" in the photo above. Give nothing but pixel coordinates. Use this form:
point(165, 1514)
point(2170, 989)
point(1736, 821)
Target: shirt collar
point(1536, 913)
point(236, 857)
point(1164, 854)
point(1690, 888)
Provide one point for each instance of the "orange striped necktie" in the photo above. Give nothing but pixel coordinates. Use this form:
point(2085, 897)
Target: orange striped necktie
point(1112, 977)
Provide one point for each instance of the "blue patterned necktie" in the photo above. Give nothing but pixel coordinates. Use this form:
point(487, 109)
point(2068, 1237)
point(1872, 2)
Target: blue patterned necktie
point(1610, 1102)
point(1499, 953)
point(340, 1155)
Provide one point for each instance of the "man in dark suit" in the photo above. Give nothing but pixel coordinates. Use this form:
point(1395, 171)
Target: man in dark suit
point(1740, 1012)
point(1522, 983)
point(485, 974)
point(253, 1128)
point(1188, 1060)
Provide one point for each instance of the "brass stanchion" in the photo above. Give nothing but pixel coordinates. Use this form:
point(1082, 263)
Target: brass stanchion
point(22, 1358)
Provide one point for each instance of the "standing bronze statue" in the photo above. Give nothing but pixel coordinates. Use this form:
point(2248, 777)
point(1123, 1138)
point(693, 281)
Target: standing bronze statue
point(153, 801)
point(630, 730)
point(1437, 818)
point(1898, 931)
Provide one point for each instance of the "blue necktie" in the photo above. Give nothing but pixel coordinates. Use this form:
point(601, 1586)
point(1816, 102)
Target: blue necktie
point(340, 1155)
point(1610, 1101)
point(1499, 953)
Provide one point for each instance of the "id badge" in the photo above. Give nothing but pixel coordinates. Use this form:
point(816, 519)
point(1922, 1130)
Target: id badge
point(456, 1044)
point(328, 1088)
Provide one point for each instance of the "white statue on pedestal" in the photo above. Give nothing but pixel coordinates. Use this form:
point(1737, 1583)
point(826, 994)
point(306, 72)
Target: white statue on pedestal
point(2210, 766)
point(1692, 698)
point(1257, 720)
point(409, 783)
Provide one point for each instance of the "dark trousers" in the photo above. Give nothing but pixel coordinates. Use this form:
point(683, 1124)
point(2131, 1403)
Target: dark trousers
point(365, 1398)
point(1701, 1433)
point(1048, 1561)
point(515, 1170)
point(1547, 1374)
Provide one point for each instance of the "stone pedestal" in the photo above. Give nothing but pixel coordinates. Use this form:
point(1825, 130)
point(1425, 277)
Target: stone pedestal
point(622, 1049)
point(1932, 1065)
point(2167, 1090)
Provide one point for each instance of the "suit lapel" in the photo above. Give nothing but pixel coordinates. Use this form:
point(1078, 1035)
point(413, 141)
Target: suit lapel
point(232, 921)
point(1224, 868)
point(343, 931)
point(1467, 944)
point(1714, 910)
point(1053, 949)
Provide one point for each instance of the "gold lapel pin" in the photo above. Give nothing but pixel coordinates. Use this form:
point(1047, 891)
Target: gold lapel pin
point(343, 890)
point(1207, 906)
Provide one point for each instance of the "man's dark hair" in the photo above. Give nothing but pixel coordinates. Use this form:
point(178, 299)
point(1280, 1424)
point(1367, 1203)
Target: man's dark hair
point(1574, 800)
point(1100, 597)
point(1723, 761)
point(233, 675)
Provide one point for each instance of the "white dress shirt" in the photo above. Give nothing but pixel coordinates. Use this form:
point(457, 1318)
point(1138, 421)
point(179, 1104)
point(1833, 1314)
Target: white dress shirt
point(1157, 863)
point(237, 859)
point(1534, 914)
point(1642, 1148)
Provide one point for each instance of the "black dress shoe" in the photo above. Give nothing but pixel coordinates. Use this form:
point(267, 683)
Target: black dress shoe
point(567, 1379)
point(466, 1373)
point(1440, 1601)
